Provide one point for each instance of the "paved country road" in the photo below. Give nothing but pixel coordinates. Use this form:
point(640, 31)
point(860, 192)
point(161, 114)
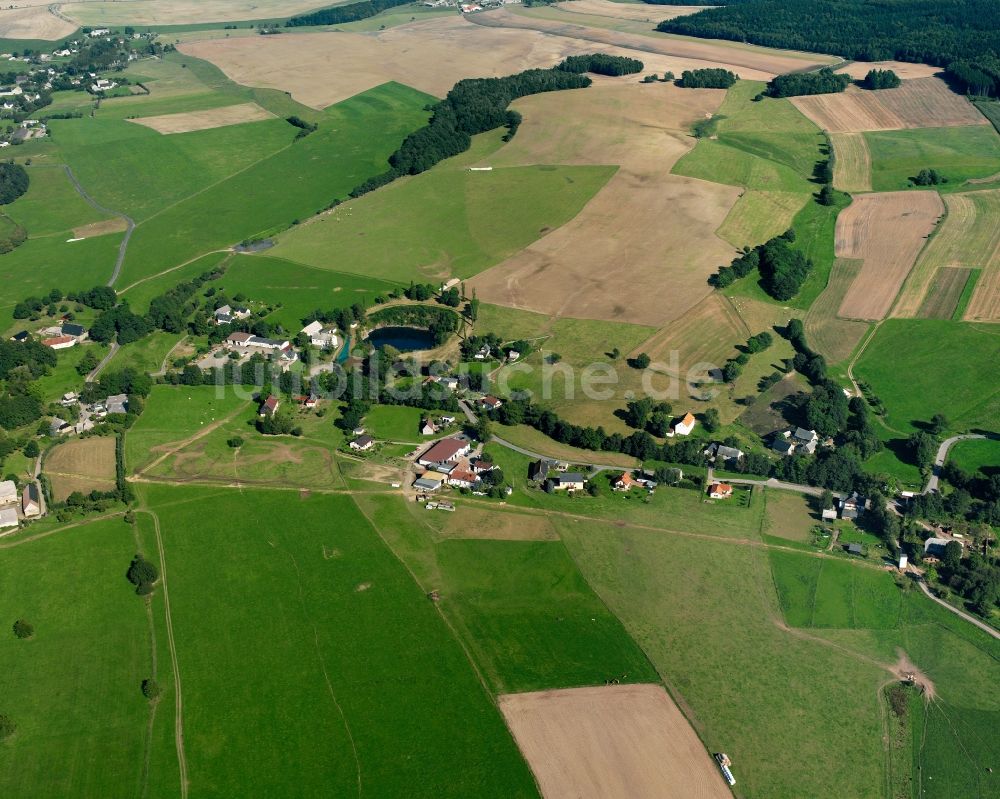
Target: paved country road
point(94, 204)
point(942, 456)
point(969, 618)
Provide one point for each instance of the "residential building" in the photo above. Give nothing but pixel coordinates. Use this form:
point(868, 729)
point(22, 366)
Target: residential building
point(8, 492)
point(855, 549)
point(684, 426)
point(568, 481)
point(513, 355)
point(462, 478)
point(539, 470)
point(783, 446)
point(934, 547)
point(805, 440)
point(8, 518)
point(79, 332)
point(21, 337)
point(445, 451)
point(853, 506)
point(60, 342)
point(58, 427)
point(248, 340)
point(117, 403)
point(320, 336)
point(31, 503)
point(720, 491)
point(490, 403)
point(427, 428)
point(362, 443)
point(69, 398)
point(625, 483)
point(721, 453)
point(829, 514)
point(269, 406)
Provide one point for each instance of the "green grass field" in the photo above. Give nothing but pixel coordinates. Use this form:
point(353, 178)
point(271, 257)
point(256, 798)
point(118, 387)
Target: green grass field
point(333, 651)
point(958, 153)
point(818, 592)
point(73, 689)
point(976, 455)
point(919, 367)
point(52, 205)
point(529, 618)
point(760, 215)
point(446, 222)
point(395, 423)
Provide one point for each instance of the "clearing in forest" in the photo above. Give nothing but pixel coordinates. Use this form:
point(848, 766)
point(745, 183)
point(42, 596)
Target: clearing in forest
point(852, 163)
point(920, 103)
point(612, 741)
point(205, 120)
point(887, 231)
point(642, 249)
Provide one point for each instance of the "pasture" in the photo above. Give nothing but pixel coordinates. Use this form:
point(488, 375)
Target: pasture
point(187, 122)
point(660, 227)
point(976, 455)
point(830, 335)
point(761, 215)
point(73, 688)
point(852, 165)
point(965, 239)
point(919, 367)
point(918, 103)
point(823, 592)
point(443, 223)
point(886, 231)
point(81, 464)
point(789, 515)
point(959, 153)
point(374, 685)
point(613, 740)
point(395, 423)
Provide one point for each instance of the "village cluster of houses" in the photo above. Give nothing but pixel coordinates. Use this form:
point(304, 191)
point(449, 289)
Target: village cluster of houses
point(451, 462)
point(797, 441)
point(17, 505)
point(58, 337)
point(90, 415)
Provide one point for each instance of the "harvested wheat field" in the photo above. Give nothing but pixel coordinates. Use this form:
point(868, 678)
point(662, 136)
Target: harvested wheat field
point(642, 249)
point(985, 303)
point(968, 237)
point(612, 742)
point(945, 293)
point(33, 23)
point(905, 70)
point(81, 464)
point(749, 61)
point(852, 163)
point(919, 103)
point(832, 337)
point(706, 334)
point(887, 231)
point(181, 12)
point(634, 11)
point(190, 121)
point(320, 69)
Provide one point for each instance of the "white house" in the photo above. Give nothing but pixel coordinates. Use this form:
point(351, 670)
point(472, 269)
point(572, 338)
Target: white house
point(60, 342)
point(320, 336)
point(684, 426)
point(362, 443)
point(568, 481)
point(102, 85)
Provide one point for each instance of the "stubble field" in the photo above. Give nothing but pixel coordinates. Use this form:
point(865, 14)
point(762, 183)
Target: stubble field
point(887, 231)
point(33, 22)
point(186, 122)
point(852, 165)
point(81, 464)
point(614, 741)
point(182, 12)
point(828, 334)
point(920, 103)
point(945, 292)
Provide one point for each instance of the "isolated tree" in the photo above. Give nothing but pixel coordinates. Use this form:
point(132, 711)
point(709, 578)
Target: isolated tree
point(7, 727)
point(710, 420)
point(641, 361)
point(142, 574)
point(939, 423)
point(23, 629)
point(150, 689)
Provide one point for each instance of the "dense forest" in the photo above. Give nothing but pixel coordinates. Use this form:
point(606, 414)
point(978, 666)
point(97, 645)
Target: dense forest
point(601, 64)
point(474, 105)
point(347, 13)
point(707, 79)
point(13, 182)
point(963, 33)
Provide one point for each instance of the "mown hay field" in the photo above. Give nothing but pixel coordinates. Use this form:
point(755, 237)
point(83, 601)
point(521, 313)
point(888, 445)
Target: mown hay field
point(81, 464)
point(945, 293)
point(852, 164)
point(760, 215)
point(36, 22)
point(919, 103)
point(958, 153)
point(828, 334)
point(646, 231)
point(967, 238)
point(181, 12)
point(189, 121)
point(887, 231)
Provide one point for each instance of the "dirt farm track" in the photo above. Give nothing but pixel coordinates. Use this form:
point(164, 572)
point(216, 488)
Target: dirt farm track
point(612, 742)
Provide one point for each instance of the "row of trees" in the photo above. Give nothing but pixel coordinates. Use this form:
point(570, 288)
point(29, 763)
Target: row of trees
point(347, 13)
point(601, 64)
point(472, 106)
point(707, 79)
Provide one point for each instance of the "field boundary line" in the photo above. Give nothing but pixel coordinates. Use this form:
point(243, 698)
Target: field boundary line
point(171, 269)
point(178, 696)
point(47, 533)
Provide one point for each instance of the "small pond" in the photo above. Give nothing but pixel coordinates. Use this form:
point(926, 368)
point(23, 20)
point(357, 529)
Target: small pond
point(404, 339)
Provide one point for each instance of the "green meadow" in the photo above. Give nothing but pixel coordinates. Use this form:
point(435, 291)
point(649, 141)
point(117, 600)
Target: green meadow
point(332, 651)
point(976, 455)
point(919, 367)
point(73, 689)
point(395, 423)
point(958, 153)
point(447, 222)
